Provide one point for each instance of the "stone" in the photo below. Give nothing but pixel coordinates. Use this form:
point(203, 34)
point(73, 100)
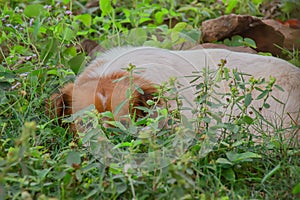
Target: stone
point(266, 37)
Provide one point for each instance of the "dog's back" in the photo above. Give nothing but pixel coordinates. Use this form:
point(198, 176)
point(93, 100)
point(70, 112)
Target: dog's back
point(158, 65)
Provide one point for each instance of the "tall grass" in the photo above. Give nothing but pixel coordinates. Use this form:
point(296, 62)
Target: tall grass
point(212, 158)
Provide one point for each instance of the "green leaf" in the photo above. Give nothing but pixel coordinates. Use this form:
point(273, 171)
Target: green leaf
point(224, 161)
point(123, 144)
point(43, 173)
point(78, 175)
point(137, 36)
point(73, 157)
point(248, 119)
point(80, 113)
point(263, 94)
point(232, 127)
point(159, 17)
point(5, 85)
point(70, 51)
point(50, 49)
point(277, 100)
point(236, 75)
point(241, 157)
point(86, 19)
point(140, 90)
point(248, 99)
point(228, 174)
point(237, 143)
point(194, 34)
point(115, 168)
point(231, 5)
point(105, 7)
point(206, 120)
point(279, 88)
point(37, 25)
point(77, 62)
point(227, 42)
point(150, 102)
point(34, 10)
point(219, 75)
point(121, 187)
point(265, 54)
point(257, 2)
point(152, 43)
point(68, 34)
point(266, 105)
point(3, 100)
point(7, 75)
point(144, 19)
point(180, 26)
point(236, 40)
point(226, 73)
point(120, 106)
point(296, 189)
point(67, 178)
point(216, 117)
point(249, 42)
point(271, 173)
point(92, 134)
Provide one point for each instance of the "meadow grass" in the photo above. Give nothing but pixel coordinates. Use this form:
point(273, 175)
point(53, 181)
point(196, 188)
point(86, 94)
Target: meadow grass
point(39, 159)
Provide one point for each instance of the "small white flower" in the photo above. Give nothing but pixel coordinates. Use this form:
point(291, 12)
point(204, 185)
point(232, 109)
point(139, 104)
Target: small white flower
point(68, 12)
point(31, 21)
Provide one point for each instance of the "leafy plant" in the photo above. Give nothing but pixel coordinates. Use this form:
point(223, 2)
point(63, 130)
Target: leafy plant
point(290, 8)
point(240, 41)
point(242, 7)
point(41, 51)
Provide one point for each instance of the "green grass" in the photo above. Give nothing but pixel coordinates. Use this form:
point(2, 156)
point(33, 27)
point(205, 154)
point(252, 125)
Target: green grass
point(41, 160)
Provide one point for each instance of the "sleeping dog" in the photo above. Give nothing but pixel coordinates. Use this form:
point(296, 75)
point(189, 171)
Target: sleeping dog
point(102, 85)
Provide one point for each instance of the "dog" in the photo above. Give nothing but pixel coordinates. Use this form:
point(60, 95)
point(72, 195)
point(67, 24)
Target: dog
point(102, 85)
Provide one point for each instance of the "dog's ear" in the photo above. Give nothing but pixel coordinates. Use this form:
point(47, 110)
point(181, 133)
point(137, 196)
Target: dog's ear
point(60, 104)
point(140, 98)
point(142, 91)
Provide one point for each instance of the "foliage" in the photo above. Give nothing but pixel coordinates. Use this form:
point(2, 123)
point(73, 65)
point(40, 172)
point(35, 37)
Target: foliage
point(41, 51)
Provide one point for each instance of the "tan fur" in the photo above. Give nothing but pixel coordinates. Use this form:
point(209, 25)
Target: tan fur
point(106, 93)
point(60, 104)
point(96, 84)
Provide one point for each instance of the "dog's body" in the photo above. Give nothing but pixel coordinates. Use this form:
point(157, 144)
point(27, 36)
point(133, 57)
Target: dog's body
point(96, 86)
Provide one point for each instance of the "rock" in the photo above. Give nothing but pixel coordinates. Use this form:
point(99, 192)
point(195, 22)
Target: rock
point(265, 36)
point(291, 33)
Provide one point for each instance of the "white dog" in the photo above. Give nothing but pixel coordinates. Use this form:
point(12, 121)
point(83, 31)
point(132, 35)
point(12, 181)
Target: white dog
point(96, 84)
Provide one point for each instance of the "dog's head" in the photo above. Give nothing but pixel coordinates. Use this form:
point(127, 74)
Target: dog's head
point(117, 92)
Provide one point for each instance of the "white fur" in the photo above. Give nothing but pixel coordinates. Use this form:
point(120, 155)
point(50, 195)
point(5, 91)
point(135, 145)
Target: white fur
point(103, 99)
point(158, 65)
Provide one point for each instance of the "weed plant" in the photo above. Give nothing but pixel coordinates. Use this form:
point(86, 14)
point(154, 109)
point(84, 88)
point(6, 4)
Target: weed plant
point(213, 157)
